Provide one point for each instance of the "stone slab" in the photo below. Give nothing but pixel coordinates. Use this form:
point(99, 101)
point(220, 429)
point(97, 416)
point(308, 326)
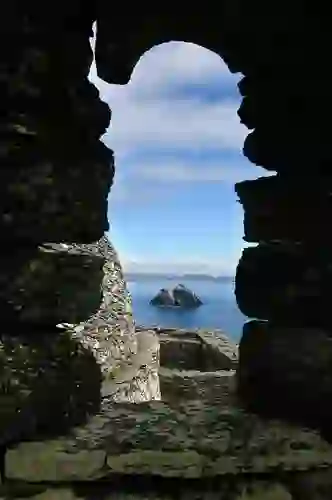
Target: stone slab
point(286, 372)
point(180, 489)
point(180, 353)
point(219, 352)
point(213, 440)
point(47, 285)
point(286, 208)
point(48, 381)
point(182, 385)
point(56, 200)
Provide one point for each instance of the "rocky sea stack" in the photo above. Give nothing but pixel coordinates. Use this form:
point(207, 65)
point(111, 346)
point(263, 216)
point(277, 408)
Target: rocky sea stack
point(180, 297)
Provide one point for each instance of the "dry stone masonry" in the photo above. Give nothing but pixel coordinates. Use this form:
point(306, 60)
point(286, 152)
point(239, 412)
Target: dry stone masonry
point(127, 359)
point(267, 433)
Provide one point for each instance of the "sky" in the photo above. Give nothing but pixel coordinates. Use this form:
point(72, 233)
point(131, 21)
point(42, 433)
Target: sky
point(178, 152)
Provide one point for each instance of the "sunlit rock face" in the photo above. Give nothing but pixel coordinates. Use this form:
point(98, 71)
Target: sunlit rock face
point(164, 298)
point(128, 360)
point(186, 298)
point(180, 296)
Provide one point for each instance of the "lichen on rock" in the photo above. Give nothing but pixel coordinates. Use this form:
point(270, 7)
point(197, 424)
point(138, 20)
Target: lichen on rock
point(49, 382)
point(128, 360)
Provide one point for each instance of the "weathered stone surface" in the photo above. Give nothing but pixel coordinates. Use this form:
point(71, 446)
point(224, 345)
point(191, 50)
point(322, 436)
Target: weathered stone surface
point(128, 361)
point(203, 350)
point(161, 488)
point(219, 352)
point(138, 380)
point(55, 173)
point(260, 490)
point(55, 494)
point(190, 439)
point(179, 333)
point(184, 354)
point(286, 372)
point(256, 39)
point(35, 463)
point(49, 382)
point(286, 208)
point(49, 285)
point(281, 149)
point(312, 485)
point(181, 385)
point(56, 199)
point(289, 284)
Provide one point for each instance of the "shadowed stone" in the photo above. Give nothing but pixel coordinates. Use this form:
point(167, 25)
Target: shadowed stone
point(283, 208)
point(190, 439)
point(312, 485)
point(288, 284)
point(38, 205)
point(286, 372)
point(181, 385)
point(49, 285)
point(83, 465)
point(260, 490)
point(49, 382)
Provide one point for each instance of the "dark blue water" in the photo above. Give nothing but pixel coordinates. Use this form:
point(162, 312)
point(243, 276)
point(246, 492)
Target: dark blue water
point(219, 309)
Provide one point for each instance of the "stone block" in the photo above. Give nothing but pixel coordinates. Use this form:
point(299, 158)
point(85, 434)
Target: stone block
point(311, 485)
point(180, 385)
point(49, 285)
point(192, 439)
point(185, 354)
point(218, 352)
point(51, 199)
point(291, 284)
point(49, 382)
point(292, 149)
point(285, 372)
point(36, 462)
point(28, 491)
point(286, 208)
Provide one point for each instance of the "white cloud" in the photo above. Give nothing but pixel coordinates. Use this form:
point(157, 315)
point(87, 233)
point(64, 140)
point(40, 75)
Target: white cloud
point(139, 121)
point(148, 116)
point(181, 63)
point(176, 171)
point(213, 268)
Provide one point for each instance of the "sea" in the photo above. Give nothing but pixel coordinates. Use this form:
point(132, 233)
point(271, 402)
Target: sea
point(219, 309)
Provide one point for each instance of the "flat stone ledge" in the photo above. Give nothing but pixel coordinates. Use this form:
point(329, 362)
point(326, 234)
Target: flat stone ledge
point(220, 352)
point(205, 350)
point(49, 461)
point(46, 285)
point(190, 439)
point(180, 385)
point(162, 489)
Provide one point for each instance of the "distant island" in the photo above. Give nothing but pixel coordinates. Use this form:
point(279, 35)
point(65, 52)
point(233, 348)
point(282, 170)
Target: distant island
point(180, 296)
point(183, 277)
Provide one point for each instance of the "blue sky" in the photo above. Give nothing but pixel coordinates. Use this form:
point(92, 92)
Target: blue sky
point(177, 141)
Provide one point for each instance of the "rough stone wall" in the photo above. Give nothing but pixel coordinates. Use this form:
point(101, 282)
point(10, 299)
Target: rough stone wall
point(160, 490)
point(55, 177)
point(128, 360)
point(285, 355)
point(54, 181)
point(52, 121)
point(210, 387)
point(287, 214)
point(153, 449)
